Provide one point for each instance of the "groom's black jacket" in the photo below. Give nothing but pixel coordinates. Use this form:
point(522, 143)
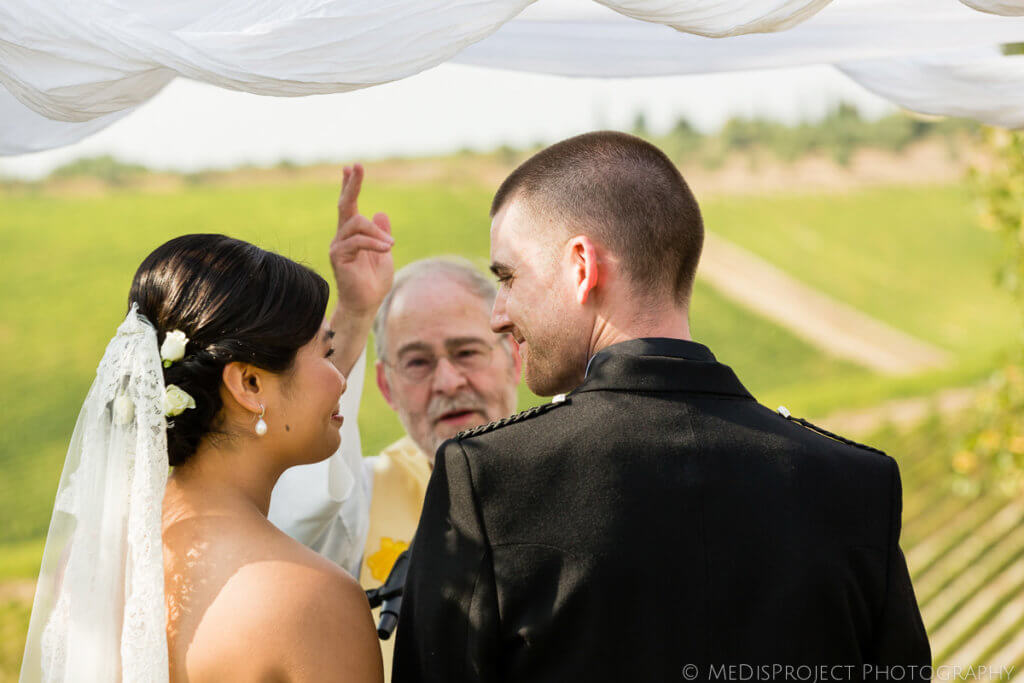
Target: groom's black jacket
point(658, 525)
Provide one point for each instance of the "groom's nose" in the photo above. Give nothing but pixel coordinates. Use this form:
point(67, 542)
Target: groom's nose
point(500, 322)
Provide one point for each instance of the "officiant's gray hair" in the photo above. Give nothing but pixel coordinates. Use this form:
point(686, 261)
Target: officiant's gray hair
point(453, 267)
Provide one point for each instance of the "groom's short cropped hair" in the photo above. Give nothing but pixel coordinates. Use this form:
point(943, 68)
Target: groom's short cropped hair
point(624, 193)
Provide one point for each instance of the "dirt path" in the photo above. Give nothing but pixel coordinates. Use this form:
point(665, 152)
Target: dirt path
point(819, 319)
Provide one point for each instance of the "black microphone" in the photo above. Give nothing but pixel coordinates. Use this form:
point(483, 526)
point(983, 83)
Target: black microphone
point(389, 596)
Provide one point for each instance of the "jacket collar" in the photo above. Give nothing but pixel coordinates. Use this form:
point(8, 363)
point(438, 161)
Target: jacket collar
point(660, 364)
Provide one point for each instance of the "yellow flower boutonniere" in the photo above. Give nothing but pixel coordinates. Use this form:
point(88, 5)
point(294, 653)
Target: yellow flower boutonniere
point(381, 562)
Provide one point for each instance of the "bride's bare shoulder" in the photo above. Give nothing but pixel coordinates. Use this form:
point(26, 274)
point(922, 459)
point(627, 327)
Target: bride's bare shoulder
point(281, 610)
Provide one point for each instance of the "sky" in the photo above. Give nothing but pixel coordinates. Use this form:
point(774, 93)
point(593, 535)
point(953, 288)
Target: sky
point(191, 126)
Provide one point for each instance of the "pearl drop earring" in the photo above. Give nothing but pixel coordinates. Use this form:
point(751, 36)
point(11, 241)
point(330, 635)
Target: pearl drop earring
point(261, 426)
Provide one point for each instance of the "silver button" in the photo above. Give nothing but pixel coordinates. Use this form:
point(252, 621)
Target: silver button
point(558, 398)
point(783, 411)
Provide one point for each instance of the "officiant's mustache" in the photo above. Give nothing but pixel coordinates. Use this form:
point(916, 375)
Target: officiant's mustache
point(443, 405)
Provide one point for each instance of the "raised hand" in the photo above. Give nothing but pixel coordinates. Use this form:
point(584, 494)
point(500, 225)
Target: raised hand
point(363, 270)
point(360, 251)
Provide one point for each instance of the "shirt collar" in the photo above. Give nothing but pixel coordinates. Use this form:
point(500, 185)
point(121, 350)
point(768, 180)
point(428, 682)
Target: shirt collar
point(660, 364)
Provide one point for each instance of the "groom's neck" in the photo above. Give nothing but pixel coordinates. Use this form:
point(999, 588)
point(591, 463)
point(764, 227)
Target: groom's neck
point(625, 324)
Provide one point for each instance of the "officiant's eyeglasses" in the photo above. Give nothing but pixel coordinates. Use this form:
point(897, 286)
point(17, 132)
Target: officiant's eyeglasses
point(417, 365)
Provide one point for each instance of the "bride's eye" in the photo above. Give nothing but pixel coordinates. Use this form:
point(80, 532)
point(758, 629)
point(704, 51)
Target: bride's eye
point(330, 352)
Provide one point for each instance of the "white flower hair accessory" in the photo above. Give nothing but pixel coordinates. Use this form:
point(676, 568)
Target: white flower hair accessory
point(173, 347)
point(177, 400)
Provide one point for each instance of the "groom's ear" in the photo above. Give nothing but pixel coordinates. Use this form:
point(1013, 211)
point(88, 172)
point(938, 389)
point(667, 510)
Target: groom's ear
point(584, 265)
point(245, 384)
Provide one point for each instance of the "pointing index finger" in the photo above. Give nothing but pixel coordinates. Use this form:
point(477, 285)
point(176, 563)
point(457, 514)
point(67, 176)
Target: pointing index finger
point(352, 182)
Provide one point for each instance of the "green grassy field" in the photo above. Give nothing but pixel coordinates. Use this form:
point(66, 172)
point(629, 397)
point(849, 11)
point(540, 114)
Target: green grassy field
point(13, 627)
point(911, 257)
point(68, 263)
point(900, 253)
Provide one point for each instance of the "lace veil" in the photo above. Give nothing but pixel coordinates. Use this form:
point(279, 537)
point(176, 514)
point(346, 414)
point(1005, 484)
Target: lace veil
point(99, 613)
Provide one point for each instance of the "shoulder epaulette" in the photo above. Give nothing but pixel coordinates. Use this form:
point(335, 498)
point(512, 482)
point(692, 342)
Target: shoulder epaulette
point(560, 399)
point(824, 432)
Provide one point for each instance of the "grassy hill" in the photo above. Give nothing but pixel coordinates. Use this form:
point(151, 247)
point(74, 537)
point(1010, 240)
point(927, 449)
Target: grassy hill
point(71, 262)
point(911, 257)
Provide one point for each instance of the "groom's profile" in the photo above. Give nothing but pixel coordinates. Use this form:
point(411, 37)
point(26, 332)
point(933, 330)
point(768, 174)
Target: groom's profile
point(653, 522)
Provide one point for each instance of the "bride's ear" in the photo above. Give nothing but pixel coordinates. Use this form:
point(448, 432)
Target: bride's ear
point(246, 384)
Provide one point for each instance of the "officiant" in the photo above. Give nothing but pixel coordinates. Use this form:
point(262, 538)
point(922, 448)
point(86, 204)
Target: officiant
point(439, 367)
point(442, 370)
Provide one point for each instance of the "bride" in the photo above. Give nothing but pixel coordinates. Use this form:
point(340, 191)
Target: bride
point(222, 369)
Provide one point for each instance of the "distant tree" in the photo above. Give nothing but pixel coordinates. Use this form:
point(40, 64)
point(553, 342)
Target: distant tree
point(198, 178)
point(106, 168)
point(846, 111)
point(739, 133)
point(640, 125)
point(992, 453)
point(895, 131)
point(684, 128)
point(506, 154)
point(682, 141)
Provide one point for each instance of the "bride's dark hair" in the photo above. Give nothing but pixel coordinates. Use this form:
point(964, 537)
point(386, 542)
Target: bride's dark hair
point(234, 302)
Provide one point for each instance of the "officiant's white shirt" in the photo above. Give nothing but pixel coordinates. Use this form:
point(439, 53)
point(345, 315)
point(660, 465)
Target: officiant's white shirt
point(326, 505)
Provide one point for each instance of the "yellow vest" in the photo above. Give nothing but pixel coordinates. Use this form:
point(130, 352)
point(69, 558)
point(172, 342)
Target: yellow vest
point(400, 476)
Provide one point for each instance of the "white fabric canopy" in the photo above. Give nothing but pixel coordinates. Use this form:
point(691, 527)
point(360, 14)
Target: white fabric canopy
point(593, 41)
point(72, 67)
point(979, 84)
point(1011, 8)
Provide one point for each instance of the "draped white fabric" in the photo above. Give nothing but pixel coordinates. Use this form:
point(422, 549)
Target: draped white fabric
point(1011, 8)
point(22, 130)
point(74, 66)
point(592, 41)
point(983, 84)
point(926, 56)
point(720, 18)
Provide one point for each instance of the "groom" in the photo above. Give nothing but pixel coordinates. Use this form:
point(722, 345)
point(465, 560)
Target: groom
point(655, 523)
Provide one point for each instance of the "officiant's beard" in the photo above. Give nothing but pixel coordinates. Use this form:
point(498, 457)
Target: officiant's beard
point(467, 401)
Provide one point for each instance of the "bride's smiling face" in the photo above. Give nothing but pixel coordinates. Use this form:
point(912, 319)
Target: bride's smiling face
point(302, 407)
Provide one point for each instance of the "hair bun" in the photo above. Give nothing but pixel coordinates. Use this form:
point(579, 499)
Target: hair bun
point(234, 302)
